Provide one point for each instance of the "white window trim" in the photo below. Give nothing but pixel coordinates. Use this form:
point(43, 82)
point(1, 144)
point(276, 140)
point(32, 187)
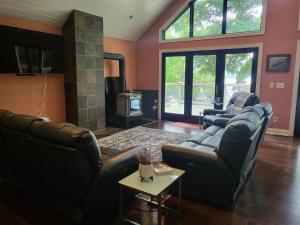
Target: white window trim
point(298, 20)
point(253, 45)
point(295, 91)
point(219, 36)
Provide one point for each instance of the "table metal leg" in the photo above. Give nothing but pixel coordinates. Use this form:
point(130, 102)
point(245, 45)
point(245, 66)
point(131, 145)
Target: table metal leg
point(121, 213)
point(179, 194)
point(159, 209)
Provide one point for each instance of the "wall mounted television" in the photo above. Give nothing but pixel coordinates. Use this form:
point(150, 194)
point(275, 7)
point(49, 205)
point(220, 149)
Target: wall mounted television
point(26, 52)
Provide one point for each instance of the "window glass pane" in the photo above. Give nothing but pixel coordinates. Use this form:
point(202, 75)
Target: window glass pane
point(238, 70)
point(180, 28)
point(174, 85)
point(208, 16)
point(204, 78)
point(244, 16)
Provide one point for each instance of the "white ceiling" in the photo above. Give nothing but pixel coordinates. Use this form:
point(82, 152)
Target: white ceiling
point(115, 13)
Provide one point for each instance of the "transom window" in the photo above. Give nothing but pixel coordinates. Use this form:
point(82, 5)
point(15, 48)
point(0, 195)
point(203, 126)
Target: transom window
point(216, 17)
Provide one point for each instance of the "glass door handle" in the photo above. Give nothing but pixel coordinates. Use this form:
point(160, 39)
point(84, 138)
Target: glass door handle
point(217, 103)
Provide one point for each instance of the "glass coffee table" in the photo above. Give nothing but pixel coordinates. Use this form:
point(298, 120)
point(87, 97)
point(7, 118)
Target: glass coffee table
point(154, 189)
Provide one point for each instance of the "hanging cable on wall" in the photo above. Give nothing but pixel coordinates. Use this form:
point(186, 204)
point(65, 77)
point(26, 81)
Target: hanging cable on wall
point(42, 104)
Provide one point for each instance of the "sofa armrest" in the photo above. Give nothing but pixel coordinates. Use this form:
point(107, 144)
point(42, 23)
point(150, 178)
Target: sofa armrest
point(204, 156)
point(204, 152)
point(207, 177)
point(119, 162)
point(221, 121)
point(227, 115)
point(213, 111)
point(103, 198)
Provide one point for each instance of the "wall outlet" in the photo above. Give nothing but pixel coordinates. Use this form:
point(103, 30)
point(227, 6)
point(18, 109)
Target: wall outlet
point(272, 85)
point(280, 85)
point(275, 119)
point(45, 119)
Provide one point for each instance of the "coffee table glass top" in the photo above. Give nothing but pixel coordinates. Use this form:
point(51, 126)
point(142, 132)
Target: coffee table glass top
point(154, 188)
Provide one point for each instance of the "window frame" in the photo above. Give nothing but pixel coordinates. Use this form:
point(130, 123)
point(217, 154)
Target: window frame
point(190, 4)
point(174, 20)
point(220, 53)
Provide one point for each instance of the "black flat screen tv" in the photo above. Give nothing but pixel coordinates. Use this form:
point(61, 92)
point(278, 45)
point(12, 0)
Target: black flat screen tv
point(26, 52)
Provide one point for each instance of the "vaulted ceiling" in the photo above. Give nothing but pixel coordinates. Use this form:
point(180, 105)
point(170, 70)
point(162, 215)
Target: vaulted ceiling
point(123, 19)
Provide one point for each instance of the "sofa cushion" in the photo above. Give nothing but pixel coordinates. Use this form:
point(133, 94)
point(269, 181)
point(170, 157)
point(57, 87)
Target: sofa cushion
point(267, 108)
point(220, 132)
point(199, 137)
point(212, 130)
point(257, 109)
point(69, 135)
point(212, 141)
point(195, 146)
point(18, 122)
point(251, 117)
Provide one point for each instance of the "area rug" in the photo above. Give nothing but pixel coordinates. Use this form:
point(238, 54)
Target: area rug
point(142, 137)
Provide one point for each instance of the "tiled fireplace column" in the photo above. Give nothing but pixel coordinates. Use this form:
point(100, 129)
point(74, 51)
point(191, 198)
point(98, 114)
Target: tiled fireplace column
point(84, 79)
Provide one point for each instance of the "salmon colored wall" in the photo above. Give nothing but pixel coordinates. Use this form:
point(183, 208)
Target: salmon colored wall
point(24, 94)
point(280, 38)
point(126, 48)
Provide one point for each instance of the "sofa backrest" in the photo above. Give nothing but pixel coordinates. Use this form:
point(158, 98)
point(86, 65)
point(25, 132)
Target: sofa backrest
point(70, 157)
point(239, 141)
point(59, 158)
point(14, 131)
point(268, 113)
point(250, 101)
point(5, 162)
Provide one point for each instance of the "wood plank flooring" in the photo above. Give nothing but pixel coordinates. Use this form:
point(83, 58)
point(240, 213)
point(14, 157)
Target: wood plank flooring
point(270, 197)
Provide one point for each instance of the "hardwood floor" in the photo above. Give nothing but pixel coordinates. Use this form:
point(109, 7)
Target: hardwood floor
point(270, 197)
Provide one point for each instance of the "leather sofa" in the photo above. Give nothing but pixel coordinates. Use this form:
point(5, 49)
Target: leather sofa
point(221, 117)
point(63, 165)
point(218, 160)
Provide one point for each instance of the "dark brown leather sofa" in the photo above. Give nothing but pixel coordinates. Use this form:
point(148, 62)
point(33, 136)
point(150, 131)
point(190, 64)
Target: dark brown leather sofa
point(63, 165)
point(219, 160)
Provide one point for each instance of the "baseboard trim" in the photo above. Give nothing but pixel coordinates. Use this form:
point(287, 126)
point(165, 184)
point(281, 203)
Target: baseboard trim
point(281, 132)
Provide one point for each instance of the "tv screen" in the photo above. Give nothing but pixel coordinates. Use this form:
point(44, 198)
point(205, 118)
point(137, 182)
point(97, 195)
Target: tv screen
point(30, 46)
point(47, 60)
point(135, 104)
point(33, 60)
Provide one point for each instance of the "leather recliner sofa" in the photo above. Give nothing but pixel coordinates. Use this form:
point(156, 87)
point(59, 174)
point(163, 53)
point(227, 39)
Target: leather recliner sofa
point(218, 160)
point(237, 102)
point(63, 165)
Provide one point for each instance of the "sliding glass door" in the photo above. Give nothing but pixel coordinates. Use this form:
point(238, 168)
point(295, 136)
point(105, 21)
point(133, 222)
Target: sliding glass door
point(198, 80)
point(175, 84)
point(204, 83)
point(238, 74)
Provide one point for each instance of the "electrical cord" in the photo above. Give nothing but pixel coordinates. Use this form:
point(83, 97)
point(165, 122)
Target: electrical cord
point(44, 88)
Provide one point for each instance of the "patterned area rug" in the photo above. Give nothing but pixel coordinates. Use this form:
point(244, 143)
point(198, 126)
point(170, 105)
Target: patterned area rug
point(142, 137)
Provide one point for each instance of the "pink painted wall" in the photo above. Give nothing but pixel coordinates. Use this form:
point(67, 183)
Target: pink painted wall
point(280, 37)
point(24, 94)
point(126, 48)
